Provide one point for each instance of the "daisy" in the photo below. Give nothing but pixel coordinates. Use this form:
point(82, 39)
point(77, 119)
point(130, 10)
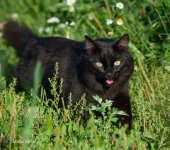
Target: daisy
point(71, 8)
point(53, 20)
point(119, 21)
point(14, 16)
point(70, 2)
point(72, 23)
point(62, 25)
point(48, 30)
point(109, 21)
point(119, 5)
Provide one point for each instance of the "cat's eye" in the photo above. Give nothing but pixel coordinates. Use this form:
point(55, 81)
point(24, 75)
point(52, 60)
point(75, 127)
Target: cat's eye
point(99, 64)
point(117, 63)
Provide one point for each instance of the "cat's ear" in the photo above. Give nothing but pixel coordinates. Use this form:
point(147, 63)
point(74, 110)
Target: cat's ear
point(122, 43)
point(90, 45)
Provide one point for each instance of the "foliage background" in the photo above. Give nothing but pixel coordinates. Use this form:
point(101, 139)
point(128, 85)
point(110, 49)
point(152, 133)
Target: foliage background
point(24, 125)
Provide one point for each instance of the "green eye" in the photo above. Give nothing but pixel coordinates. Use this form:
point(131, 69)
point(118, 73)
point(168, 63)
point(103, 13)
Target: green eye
point(99, 64)
point(117, 63)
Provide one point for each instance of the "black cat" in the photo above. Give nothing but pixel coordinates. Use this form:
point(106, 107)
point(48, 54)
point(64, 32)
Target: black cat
point(96, 67)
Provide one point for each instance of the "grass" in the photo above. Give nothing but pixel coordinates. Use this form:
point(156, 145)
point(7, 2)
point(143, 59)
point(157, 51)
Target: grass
point(27, 122)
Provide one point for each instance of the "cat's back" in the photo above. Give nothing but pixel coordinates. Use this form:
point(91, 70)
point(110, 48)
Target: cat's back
point(56, 44)
point(47, 50)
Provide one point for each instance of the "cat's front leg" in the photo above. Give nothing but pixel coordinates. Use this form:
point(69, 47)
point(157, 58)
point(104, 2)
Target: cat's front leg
point(122, 102)
point(92, 84)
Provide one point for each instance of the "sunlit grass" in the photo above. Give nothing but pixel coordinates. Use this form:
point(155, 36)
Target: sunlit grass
point(27, 121)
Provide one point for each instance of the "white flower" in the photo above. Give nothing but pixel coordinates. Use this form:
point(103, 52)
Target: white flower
point(72, 23)
point(61, 26)
point(14, 16)
point(119, 5)
point(71, 9)
point(109, 21)
point(119, 21)
point(66, 23)
point(53, 20)
point(48, 30)
point(70, 2)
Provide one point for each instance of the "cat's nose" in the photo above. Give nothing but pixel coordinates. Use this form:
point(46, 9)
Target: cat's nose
point(108, 75)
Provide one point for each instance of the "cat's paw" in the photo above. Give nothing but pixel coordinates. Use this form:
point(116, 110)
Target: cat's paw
point(98, 87)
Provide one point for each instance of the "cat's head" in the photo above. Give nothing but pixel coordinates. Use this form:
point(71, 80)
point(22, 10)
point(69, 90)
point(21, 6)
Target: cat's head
point(109, 60)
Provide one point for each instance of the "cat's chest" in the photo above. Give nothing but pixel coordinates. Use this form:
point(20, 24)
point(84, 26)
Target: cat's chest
point(109, 94)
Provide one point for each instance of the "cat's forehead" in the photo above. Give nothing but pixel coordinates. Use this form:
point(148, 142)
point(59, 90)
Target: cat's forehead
point(107, 49)
point(105, 42)
point(106, 46)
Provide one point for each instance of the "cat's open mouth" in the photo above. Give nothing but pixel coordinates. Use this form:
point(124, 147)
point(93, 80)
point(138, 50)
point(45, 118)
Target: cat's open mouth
point(109, 82)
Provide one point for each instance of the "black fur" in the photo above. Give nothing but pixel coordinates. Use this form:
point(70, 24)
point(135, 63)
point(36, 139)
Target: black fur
point(77, 65)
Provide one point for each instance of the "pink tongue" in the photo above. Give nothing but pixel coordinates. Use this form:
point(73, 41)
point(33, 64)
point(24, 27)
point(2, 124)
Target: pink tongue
point(109, 81)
